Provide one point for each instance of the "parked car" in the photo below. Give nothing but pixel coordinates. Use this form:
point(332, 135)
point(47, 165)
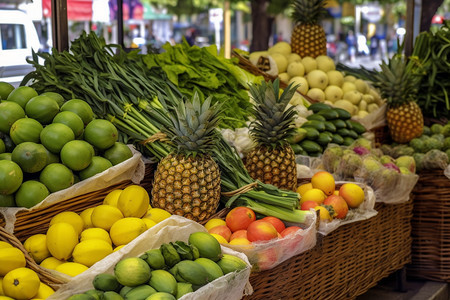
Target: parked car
point(18, 36)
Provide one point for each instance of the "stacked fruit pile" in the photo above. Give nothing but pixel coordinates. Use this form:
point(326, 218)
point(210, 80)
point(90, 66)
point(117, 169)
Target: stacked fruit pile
point(169, 272)
point(321, 194)
point(320, 81)
point(327, 125)
point(73, 242)
point(16, 280)
point(47, 145)
point(240, 227)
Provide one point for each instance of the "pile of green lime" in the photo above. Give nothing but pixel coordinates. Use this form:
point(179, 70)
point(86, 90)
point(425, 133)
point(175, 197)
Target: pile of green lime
point(47, 144)
point(165, 273)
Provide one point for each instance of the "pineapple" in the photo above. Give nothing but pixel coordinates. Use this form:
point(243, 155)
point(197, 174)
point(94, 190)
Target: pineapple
point(187, 181)
point(308, 37)
point(272, 160)
point(398, 84)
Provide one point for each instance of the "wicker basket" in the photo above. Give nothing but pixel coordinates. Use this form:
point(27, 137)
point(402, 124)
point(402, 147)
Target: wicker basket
point(43, 274)
point(36, 221)
point(431, 227)
point(381, 135)
point(344, 264)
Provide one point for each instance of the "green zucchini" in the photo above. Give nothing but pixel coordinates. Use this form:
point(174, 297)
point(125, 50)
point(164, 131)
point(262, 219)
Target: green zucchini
point(329, 114)
point(315, 107)
point(343, 114)
point(311, 133)
point(316, 117)
point(337, 139)
point(330, 127)
point(339, 123)
point(324, 139)
point(314, 124)
point(358, 127)
point(310, 146)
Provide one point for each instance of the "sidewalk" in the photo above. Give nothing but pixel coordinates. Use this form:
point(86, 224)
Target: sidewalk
point(366, 61)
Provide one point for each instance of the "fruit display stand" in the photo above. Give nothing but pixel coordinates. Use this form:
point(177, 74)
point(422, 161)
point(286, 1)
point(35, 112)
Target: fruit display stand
point(430, 226)
point(345, 263)
point(45, 276)
point(30, 222)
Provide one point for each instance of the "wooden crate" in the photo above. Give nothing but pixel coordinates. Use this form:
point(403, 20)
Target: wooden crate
point(344, 264)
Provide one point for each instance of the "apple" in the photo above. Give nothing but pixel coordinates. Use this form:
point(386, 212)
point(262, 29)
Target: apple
point(240, 218)
point(222, 230)
point(277, 223)
point(239, 234)
point(289, 230)
point(266, 259)
point(323, 181)
point(261, 231)
point(307, 205)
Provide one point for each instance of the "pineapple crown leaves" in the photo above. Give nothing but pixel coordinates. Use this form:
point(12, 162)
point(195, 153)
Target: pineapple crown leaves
point(398, 80)
point(274, 121)
point(308, 11)
point(193, 126)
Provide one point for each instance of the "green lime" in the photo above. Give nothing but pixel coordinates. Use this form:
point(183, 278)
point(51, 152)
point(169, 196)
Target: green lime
point(7, 201)
point(77, 155)
point(100, 133)
point(2, 146)
point(22, 95)
point(56, 177)
point(5, 89)
point(30, 193)
point(25, 130)
point(42, 108)
point(55, 96)
point(55, 136)
point(81, 108)
point(31, 157)
point(98, 165)
point(9, 113)
point(72, 120)
point(11, 177)
point(118, 153)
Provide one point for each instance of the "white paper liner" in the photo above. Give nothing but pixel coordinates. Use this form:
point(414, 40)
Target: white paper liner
point(231, 286)
point(132, 169)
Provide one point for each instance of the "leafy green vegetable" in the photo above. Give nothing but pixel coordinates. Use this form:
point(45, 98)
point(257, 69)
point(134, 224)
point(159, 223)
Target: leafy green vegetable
point(203, 71)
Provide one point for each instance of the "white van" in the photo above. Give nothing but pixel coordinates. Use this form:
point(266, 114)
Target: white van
point(18, 36)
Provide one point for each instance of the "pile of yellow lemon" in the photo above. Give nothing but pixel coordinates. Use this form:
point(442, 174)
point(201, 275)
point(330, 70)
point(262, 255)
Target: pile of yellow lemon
point(75, 242)
point(17, 281)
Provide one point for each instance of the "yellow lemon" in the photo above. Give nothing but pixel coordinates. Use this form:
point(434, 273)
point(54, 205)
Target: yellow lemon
point(6, 298)
point(5, 245)
point(61, 239)
point(240, 241)
point(148, 223)
point(157, 214)
point(51, 263)
point(112, 197)
point(104, 216)
point(10, 259)
point(44, 291)
point(1, 286)
point(118, 248)
point(21, 283)
point(214, 223)
point(69, 217)
point(313, 195)
point(71, 268)
point(127, 229)
point(36, 246)
point(95, 233)
point(219, 238)
point(303, 188)
point(133, 201)
point(86, 217)
point(89, 252)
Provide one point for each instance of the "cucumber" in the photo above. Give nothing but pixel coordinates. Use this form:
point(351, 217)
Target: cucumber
point(352, 134)
point(299, 135)
point(349, 124)
point(348, 141)
point(343, 114)
point(324, 139)
point(316, 117)
point(311, 133)
point(337, 139)
point(358, 127)
point(315, 107)
point(310, 146)
point(330, 127)
point(343, 132)
point(329, 114)
point(339, 123)
point(314, 124)
point(297, 148)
